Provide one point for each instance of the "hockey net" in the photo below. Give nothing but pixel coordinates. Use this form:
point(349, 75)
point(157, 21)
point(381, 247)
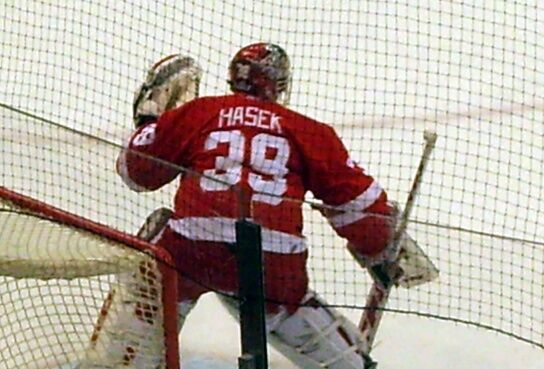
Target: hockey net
point(74, 293)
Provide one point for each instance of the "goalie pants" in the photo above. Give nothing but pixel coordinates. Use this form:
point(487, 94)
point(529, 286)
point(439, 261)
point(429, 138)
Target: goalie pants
point(211, 266)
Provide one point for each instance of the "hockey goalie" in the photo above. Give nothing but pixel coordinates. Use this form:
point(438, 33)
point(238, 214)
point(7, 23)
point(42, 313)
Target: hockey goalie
point(246, 155)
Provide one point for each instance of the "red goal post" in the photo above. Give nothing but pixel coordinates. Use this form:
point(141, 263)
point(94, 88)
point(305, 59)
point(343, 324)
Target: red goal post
point(74, 292)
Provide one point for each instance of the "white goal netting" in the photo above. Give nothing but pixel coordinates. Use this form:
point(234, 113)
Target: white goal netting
point(71, 297)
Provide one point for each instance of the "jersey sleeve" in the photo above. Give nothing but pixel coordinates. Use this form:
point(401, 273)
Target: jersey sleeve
point(356, 204)
point(154, 153)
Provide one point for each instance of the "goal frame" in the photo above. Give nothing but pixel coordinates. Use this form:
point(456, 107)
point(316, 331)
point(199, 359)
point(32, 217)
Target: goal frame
point(164, 260)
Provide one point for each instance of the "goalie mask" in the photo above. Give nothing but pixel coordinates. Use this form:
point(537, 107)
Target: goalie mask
point(170, 83)
point(262, 70)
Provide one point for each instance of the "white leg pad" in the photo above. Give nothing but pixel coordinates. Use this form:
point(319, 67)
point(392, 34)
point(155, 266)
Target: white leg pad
point(129, 333)
point(314, 337)
point(320, 334)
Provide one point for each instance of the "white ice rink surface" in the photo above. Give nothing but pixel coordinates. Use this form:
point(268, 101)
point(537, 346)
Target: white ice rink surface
point(402, 343)
point(382, 73)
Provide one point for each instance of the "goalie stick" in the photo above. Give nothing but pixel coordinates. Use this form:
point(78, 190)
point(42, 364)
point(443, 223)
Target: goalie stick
point(378, 295)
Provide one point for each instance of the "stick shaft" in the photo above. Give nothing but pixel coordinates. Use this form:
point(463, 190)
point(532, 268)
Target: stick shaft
point(378, 295)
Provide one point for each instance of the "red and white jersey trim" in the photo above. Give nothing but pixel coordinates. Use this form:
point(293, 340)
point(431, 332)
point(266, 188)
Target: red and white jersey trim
point(353, 210)
point(222, 229)
point(122, 170)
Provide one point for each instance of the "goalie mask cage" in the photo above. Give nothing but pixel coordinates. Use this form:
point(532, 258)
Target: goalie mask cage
point(380, 72)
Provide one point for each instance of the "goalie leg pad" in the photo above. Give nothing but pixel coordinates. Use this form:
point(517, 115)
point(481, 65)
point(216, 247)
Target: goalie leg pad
point(152, 230)
point(314, 336)
point(128, 332)
point(128, 327)
point(320, 335)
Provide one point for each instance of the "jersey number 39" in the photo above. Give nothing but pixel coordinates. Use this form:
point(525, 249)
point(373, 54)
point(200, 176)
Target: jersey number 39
point(268, 186)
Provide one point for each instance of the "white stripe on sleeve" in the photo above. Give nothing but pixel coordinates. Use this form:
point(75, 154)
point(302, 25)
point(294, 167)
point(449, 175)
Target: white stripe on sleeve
point(353, 210)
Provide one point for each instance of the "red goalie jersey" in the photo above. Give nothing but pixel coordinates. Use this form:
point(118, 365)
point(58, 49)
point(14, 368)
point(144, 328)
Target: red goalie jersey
point(248, 157)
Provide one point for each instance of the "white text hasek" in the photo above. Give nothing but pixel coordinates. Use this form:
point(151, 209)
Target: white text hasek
point(250, 116)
